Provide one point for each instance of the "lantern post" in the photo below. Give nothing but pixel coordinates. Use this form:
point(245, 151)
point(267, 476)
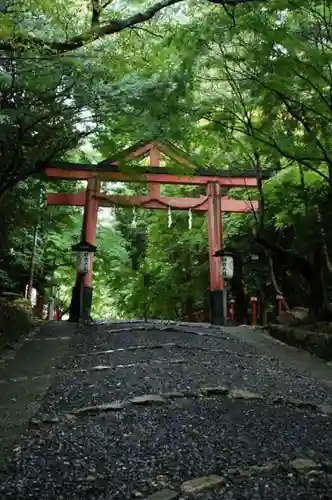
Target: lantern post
point(232, 302)
point(227, 273)
point(80, 309)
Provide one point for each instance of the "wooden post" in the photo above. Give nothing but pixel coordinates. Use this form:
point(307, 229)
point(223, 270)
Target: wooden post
point(253, 311)
point(154, 160)
point(217, 314)
point(280, 300)
point(232, 301)
point(90, 219)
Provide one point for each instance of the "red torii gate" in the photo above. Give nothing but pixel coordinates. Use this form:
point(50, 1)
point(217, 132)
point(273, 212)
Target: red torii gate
point(213, 203)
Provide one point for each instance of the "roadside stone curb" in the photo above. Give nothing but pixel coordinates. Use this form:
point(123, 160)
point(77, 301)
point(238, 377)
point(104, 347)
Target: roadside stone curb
point(318, 344)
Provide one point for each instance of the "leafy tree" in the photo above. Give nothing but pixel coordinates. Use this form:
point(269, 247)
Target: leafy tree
point(261, 100)
point(245, 88)
point(51, 100)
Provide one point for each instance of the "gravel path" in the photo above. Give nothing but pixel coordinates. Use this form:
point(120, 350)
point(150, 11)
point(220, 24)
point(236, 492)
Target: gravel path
point(169, 411)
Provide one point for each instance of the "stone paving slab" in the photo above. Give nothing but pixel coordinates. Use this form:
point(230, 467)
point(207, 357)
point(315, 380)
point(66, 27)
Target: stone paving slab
point(25, 374)
point(196, 422)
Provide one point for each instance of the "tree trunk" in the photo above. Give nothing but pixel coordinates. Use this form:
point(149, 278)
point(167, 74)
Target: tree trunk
point(261, 306)
point(275, 284)
point(237, 288)
point(189, 310)
point(319, 309)
point(206, 306)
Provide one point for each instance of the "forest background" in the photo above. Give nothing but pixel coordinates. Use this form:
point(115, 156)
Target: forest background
point(245, 86)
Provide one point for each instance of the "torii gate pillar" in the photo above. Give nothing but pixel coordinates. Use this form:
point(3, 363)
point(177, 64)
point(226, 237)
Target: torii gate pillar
point(89, 235)
point(217, 312)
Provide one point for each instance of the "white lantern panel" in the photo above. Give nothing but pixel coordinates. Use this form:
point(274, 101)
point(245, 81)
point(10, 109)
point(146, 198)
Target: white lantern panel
point(83, 262)
point(227, 265)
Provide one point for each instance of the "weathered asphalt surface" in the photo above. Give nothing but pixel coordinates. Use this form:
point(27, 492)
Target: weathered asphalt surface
point(53, 447)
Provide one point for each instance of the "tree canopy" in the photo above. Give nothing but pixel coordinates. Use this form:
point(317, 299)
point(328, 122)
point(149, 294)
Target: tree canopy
point(245, 86)
point(98, 20)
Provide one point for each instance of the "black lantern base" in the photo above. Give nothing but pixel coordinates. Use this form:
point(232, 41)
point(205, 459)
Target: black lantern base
point(75, 309)
point(217, 316)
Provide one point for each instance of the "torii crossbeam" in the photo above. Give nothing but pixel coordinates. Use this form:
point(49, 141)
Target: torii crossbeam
point(154, 175)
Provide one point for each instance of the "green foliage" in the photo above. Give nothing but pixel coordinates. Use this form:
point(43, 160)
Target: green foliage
point(53, 98)
point(245, 89)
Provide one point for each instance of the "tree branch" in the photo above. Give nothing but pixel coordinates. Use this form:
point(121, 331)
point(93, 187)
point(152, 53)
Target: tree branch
point(140, 28)
point(270, 141)
point(325, 251)
point(96, 31)
point(96, 10)
point(288, 258)
point(232, 2)
point(107, 3)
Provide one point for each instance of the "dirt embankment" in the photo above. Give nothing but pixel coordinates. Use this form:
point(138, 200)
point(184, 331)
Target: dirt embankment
point(16, 319)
